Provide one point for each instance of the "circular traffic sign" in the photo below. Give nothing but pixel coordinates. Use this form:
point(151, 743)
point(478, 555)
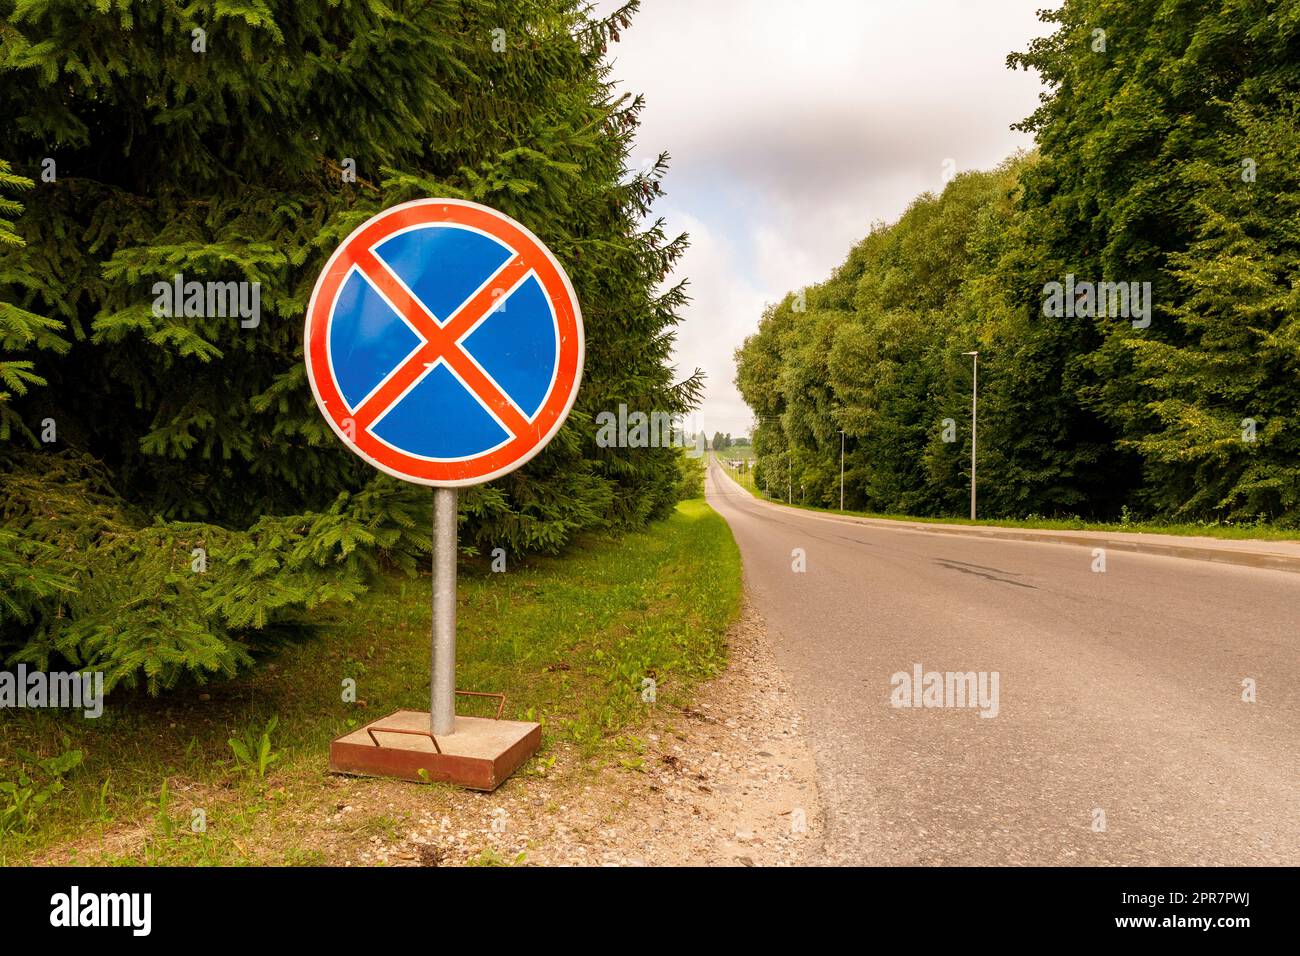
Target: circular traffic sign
point(444, 343)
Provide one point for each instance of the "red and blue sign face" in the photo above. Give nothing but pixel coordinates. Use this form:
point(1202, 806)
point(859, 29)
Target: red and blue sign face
point(444, 343)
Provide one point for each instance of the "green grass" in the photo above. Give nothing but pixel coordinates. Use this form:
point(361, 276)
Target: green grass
point(738, 451)
point(743, 478)
point(1239, 531)
point(569, 639)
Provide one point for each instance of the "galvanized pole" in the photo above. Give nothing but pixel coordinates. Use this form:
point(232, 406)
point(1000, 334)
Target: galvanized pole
point(974, 408)
point(841, 469)
point(442, 684)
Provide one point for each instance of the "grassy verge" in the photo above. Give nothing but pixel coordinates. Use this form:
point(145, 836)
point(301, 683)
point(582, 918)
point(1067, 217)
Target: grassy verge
point(743, 477)
point(568, 639)
point(1242, 531)
point(737, 452)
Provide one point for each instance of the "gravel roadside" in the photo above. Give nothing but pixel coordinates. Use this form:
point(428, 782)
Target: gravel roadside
point(727, 782)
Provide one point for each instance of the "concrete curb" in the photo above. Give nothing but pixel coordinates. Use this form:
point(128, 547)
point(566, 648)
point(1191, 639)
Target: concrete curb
point(1245, 553)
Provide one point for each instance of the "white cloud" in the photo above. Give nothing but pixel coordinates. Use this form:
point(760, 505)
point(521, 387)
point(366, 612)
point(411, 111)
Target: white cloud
point(794, 126)
point(723, 305)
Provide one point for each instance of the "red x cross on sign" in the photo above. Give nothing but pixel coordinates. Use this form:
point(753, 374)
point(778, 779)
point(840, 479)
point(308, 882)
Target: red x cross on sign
point(442, 341)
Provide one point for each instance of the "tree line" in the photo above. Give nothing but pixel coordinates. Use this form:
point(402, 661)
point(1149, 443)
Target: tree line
point(722, 441)
point(1165, 180)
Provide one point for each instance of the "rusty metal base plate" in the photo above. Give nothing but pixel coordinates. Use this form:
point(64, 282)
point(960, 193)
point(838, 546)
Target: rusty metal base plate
point(480, 755)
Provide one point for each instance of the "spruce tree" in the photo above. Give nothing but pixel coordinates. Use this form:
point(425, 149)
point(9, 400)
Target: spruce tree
point(242, 142)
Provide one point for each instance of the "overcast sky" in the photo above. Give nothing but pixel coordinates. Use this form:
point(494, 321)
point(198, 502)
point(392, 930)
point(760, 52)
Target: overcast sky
point(793, 126)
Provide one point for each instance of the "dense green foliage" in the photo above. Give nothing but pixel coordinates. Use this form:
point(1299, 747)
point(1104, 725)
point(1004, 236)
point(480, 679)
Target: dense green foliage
point(1168, 151)
point(215, 139)
point(583, 633)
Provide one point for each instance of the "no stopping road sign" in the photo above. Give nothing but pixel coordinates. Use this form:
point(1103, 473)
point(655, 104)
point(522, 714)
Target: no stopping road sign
point(444, 343)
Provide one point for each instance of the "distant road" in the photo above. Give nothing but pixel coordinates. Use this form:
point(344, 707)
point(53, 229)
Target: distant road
point(1119, 693)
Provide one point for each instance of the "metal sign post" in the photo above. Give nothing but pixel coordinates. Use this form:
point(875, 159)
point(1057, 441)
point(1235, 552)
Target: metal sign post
point(442, 680)
point(444, 345)
point(974, 409)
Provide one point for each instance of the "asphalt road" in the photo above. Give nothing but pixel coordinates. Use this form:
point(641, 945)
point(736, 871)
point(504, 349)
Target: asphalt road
point(1118, 693)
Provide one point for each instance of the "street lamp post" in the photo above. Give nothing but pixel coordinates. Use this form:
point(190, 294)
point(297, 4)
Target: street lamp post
point(841, 469)
point(974, 408)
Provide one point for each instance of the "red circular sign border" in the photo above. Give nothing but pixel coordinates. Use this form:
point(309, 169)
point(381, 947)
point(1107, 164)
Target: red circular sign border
point(559, 291)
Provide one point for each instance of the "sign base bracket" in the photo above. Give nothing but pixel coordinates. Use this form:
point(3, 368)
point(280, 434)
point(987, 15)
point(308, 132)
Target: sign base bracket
point(480, 755)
